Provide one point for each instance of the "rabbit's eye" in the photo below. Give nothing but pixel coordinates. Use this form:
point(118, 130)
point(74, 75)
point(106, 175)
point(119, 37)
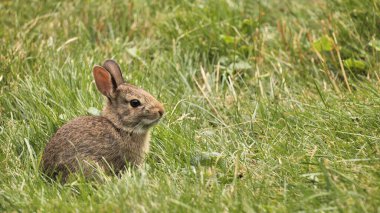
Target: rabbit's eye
point(135, 103)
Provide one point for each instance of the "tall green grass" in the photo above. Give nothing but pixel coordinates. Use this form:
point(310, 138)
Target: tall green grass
point(271, 105)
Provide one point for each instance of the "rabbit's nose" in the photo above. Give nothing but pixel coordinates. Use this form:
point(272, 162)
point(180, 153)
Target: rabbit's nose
point(161, 112)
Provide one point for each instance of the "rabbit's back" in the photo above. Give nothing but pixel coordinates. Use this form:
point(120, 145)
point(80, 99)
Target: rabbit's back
point(87, 139)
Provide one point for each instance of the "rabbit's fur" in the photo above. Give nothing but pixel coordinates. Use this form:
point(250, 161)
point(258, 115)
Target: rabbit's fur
point(120, 136)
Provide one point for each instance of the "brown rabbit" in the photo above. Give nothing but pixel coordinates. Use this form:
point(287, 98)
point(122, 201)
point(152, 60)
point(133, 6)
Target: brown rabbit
point(120, 136)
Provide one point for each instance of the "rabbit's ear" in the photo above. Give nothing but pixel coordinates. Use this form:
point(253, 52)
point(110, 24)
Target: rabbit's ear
point(103, 80)
point(114, 69)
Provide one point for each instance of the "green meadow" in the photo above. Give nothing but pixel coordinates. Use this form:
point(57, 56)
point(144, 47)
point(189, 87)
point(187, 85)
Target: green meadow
point(271, 105)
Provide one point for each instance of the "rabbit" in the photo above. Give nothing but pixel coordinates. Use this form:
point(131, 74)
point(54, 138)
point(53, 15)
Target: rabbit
point(116, 139)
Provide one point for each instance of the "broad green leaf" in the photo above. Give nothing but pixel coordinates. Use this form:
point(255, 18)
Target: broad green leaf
point(354, 63)
point(228, 39)
point(248, 21)
point(375, 44)
point(324, 43)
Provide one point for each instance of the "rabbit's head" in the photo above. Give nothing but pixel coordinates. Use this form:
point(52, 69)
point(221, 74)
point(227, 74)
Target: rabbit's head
point(128, 107)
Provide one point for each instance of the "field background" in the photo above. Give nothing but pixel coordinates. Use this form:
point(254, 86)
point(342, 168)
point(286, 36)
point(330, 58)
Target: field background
point(271, 105)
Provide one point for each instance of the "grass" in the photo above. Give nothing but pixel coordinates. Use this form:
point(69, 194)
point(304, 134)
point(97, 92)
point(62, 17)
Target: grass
point(271, 105)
